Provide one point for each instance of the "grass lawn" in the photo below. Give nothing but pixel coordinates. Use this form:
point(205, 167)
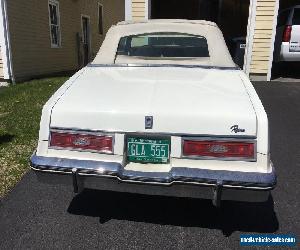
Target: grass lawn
point(20, 112)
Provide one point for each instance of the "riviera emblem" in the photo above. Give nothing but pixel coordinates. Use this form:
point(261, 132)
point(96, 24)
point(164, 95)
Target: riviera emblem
point(148, 122)
point(236, 129)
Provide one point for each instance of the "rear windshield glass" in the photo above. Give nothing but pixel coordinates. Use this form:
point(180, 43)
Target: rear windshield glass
point(164, 45)
point(296, 17)
point(283, 18)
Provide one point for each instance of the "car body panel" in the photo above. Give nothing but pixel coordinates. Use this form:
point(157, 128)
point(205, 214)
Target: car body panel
point(288, 51)
point(295, 35)
point(287, 55)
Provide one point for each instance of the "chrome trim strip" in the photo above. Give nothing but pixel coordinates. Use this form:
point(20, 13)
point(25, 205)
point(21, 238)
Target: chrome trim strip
point(153, 133)
point(228, 139)
point(134, 65)
point(231, 179)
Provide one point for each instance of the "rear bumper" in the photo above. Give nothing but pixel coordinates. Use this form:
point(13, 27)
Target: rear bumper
point(288, 56)
point(179, 182)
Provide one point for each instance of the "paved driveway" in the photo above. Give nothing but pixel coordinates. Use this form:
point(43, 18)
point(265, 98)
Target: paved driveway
point(39, 216)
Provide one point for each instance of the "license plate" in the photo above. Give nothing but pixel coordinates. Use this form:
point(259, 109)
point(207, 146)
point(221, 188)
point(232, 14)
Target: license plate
point(146, 150)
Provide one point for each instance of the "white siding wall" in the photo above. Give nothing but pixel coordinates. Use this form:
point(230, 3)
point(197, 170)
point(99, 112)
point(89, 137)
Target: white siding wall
point(262, 43)
point(138, 9)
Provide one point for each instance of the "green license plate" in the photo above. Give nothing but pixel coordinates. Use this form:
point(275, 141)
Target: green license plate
point(145, 150)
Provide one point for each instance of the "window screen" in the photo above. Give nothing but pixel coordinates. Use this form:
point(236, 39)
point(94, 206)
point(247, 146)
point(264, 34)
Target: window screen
point(164, 45)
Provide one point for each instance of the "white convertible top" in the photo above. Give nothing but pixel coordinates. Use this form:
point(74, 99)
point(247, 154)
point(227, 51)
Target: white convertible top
point(218, 51)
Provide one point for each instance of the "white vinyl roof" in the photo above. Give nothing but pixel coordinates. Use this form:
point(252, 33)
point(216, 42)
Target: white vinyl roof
point(218, 51)
point(168, 21)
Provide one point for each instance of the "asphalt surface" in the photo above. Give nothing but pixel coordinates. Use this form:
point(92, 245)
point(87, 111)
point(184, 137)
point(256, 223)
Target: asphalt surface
point(40, 216)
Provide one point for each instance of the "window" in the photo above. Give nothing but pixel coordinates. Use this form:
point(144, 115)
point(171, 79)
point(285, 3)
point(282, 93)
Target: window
point(164, 45)
point(54, 20)
point(296, 17)
point(100, 19)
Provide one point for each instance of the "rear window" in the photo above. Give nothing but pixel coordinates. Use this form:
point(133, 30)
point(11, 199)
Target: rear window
point(283, 18)
point(164, 45)
point(296, 17)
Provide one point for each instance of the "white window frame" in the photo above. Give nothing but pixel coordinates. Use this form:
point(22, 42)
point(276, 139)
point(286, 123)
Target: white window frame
point(250, 36)
point(56, 3)
point(276, 12)
point(128, 10)
point(99, 4)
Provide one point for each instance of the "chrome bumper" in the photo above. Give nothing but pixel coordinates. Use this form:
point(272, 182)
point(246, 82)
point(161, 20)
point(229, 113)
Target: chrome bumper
point(180, 181)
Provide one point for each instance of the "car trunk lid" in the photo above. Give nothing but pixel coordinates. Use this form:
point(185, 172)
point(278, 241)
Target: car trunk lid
point(183, 100)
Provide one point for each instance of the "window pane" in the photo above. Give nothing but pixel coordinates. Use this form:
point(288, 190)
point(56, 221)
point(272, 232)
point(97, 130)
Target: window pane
point(100, 24)
point(54, 34)
point(162, 45)
point(85, 30)
point(54, 24)
point(122, 48)
point(53, 14)
point(296, 17)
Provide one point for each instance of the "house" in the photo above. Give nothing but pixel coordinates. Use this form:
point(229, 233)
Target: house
point(39, 37)
point(45, 37)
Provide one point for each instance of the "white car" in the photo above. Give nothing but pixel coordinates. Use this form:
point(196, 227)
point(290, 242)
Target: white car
point(162, 110)
point(287, 42)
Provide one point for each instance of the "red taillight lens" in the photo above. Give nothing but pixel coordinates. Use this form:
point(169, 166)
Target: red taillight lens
point(100, 143)
point(287, 34)
point(222, 149)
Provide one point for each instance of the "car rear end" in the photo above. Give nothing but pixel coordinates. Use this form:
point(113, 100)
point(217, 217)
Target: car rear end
point(290, 46)
point(219, 151)
point(216, 168)
point(168, 124)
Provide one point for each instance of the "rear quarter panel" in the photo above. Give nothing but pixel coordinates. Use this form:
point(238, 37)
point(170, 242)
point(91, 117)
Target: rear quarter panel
point(262, 119)
point(47, 110)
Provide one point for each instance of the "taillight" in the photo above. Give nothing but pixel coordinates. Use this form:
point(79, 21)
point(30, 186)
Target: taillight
point(219, 149)
point(287, 34)
point(81, 141)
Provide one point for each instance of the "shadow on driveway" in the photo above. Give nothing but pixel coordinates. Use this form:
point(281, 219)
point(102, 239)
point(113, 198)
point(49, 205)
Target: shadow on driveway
point(233, 216)
point(286, 70)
